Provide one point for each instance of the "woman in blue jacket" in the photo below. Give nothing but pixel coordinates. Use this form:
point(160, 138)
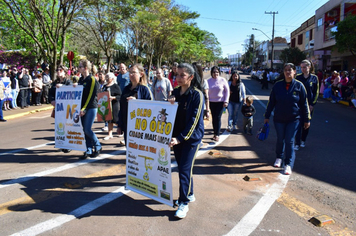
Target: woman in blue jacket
point(289, 101)
point(136, 89)
point(188, 131)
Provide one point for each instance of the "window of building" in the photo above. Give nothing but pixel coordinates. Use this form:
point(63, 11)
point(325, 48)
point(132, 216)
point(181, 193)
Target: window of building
point(300, 39)
point(320, 23)
point(311, 34)
point(292, 43)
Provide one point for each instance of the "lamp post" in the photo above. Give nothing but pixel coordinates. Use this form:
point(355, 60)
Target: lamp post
point(272, 51)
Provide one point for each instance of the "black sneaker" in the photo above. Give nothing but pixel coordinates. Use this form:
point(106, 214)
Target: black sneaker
point(85, 156)
point(96, 153)
point(66, 150)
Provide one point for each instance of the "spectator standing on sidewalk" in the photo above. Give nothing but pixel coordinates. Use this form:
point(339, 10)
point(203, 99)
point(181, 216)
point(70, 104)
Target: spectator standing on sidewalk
point(24, 80)
point(46, 79)
point(188, 131)
point(2, 100)
point(123, 79)
point(7, 92)
point(237, 97)
point(219, 94)
point(311, 84)
point(289, 101)
point(89, 108)
point(14, 89)
point(37, 90)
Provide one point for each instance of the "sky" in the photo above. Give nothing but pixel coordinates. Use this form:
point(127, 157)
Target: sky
point(231, 21)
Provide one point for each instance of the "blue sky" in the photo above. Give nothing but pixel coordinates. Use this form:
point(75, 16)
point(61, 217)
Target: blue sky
point(231, 21)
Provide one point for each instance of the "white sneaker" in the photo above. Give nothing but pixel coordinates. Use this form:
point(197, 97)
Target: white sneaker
point(105, 128)
point(332, 101)
point(190, 197)
point(121, 135)
point(287, 170)
point(296, 147)
point(302, 144)
point(182, 211)
point(278, 162)
point(228, 129)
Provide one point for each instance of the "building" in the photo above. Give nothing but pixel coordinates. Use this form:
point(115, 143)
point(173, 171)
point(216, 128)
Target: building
point(303, 39)
point(235, 59)
point(326, 17)
point(264, 53)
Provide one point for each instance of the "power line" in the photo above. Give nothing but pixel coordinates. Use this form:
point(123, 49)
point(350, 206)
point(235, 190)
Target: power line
point(245, 22)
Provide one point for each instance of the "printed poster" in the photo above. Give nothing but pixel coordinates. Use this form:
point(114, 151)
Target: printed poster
point(104, 107)
point(68, 125)
point(148, 160)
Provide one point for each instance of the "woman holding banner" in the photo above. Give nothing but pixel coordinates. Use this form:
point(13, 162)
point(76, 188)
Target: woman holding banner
point(89, 108)
point(187, 132)
point(136, 89)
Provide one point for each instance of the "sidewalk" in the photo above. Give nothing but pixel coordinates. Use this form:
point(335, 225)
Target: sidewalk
point(16, 113)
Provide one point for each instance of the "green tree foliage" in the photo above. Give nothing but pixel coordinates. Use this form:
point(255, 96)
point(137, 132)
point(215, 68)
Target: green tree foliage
point(292, 55)
point(345, 35)
point(46, 22)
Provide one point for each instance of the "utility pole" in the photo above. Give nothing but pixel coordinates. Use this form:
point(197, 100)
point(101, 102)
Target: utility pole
point(272, 53)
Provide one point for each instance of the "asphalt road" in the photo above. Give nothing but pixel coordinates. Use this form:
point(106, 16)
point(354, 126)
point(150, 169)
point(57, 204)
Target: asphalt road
point(43, 191)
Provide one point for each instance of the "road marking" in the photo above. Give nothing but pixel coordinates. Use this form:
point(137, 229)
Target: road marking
point(60, 220)
point(47, 194)
point(253, 218)
point(26, 149)
point(58, 169)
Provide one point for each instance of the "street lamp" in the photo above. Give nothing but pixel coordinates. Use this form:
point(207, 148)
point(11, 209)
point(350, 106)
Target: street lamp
point(268, 47)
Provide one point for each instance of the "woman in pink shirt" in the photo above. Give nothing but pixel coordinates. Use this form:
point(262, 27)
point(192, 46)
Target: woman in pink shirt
point(219, 93)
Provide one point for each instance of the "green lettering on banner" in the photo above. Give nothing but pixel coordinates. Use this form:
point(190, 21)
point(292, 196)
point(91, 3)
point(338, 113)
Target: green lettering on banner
point(143, 185)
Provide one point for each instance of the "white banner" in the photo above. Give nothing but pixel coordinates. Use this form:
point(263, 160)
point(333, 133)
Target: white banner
point(68, 125)
point(148, 160)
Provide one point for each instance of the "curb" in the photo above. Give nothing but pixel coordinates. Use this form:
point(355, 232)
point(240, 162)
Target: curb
point(341, 102)
point(9, 117)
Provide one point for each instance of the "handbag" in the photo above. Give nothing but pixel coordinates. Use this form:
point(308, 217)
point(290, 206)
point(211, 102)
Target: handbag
point(53, 114)
point(263, 132)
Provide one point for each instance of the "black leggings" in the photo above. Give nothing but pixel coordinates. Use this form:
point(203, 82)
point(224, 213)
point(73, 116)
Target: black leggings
point(216, 109)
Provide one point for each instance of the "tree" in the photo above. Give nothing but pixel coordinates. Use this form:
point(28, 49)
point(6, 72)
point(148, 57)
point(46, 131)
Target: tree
point(46, 22)
point(292, 55)
point(345, 35)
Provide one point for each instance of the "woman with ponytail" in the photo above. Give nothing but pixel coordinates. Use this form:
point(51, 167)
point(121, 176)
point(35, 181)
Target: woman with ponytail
point(188, 132)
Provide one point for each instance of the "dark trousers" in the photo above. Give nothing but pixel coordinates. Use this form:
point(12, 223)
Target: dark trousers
point(302, 133)
point(23, 97)
point(36, 98)
point(185, 156)
point(216, 109)
point(45, 90)
point(264, 84)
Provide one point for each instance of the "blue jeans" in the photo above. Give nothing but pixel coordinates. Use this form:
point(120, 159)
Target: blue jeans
point(233, 109)
point(285, 141)
point(14, 94)
point(1, 104)
point(90, 138)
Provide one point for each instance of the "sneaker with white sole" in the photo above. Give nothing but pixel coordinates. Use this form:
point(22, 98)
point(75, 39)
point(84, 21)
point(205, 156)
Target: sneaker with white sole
point(296, 147)
point(287, 170)
point(190, 197)
point(105, 128)
point(278, 162)
point(182, 211)
point(302, 144)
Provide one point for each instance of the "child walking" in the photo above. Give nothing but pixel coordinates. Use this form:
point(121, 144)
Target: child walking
point(248, 110)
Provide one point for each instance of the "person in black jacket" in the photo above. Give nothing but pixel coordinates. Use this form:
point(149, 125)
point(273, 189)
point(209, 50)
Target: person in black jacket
point(188, 131)
point(311, 84)
point(289, 101)
point(136, 89)
point(89, 108)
